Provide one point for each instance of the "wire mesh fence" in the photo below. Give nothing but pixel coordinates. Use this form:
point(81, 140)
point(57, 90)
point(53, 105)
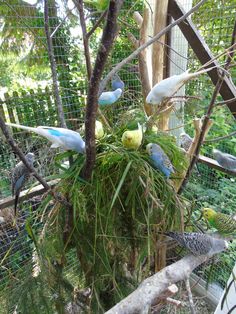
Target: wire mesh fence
point(26, 97)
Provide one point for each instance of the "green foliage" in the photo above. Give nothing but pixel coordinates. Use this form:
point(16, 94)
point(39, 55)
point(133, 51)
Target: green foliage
point(115, 219)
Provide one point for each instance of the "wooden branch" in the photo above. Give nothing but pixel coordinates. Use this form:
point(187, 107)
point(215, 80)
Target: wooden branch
point(95, 26)
point(27, 194)
point(165, 298)
point(160, 19)
point(190, 296)
point(80, 7)
point(220, 138)
point(151, 288)
point(148, 43)
point(107, 40)
point(212, 163)
point(53, 67)
point(206, 119)
point(174, 302)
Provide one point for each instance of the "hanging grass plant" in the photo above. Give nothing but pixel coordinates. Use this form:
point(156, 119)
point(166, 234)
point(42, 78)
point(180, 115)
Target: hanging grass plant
point(116, 217)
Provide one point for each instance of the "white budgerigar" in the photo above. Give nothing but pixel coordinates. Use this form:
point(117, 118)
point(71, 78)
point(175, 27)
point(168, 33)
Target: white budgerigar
point(169, 86)
point(60, 137)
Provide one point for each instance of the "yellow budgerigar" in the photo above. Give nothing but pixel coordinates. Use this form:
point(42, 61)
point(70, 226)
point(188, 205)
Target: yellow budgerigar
point(99, 132)
point(133, 139)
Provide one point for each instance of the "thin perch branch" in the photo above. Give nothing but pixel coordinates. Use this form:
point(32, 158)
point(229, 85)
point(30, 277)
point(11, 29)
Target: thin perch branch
point(190, 296)
point(53, 66)
point(95, 26)
point(220, 138)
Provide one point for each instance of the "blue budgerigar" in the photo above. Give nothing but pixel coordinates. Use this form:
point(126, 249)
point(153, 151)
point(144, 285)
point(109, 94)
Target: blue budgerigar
point(116, 83)
point(60, 137)
point(19, 176)
point(160, 160)
point(109, 98)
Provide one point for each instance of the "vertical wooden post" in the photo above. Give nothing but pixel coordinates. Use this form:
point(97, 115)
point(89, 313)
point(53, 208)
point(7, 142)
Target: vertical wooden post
point(158, 56)
point(160, 19)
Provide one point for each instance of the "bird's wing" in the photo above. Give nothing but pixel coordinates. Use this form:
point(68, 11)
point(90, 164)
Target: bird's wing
point(167, 163)
point(106, 96)
point(19, 175)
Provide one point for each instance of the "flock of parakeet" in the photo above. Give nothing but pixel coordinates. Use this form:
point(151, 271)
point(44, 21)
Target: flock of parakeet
point(197, 243)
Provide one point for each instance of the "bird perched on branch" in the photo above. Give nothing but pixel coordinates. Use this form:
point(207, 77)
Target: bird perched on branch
point(227, 161)
point(199, 243)
point(169, 86)
point(185, 141)
point(60, 137)
point(225, 224)
point(19, 176)
point(133, 139)
point(109, 98)
point(99, 132)
point(116, 83)
point(160, 160)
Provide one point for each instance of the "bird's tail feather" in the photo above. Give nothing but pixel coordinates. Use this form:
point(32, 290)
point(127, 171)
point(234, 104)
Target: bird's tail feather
point(192, 75)
point(23, 127)
point(15, 203)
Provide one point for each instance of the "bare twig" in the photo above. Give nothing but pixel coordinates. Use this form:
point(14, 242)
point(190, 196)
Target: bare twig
point(53, 66)
point(62, 21)
point(95, 26)
point(206, 119)
point(148, 43)
point(151, 288)
point(216, 139)
point(107, 40)
point(80, 7)
point(220, 103)
point(190, 296)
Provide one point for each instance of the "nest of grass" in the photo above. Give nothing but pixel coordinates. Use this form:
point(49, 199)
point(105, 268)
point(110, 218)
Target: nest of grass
point(113, 228)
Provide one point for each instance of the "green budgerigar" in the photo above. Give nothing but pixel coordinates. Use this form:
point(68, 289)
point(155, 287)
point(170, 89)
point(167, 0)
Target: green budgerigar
point(225, 224)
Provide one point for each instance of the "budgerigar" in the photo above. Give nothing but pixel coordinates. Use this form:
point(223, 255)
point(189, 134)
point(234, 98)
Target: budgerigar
point(225, 224)
point(225, 160)
point(19, 176)
point(199, 243)
point(116, 83)
point(109, 98)
point(185, 141)
point(133, 139)
point(169, 86)
point(60, 137)
point(160, 160)
point(99, 132)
